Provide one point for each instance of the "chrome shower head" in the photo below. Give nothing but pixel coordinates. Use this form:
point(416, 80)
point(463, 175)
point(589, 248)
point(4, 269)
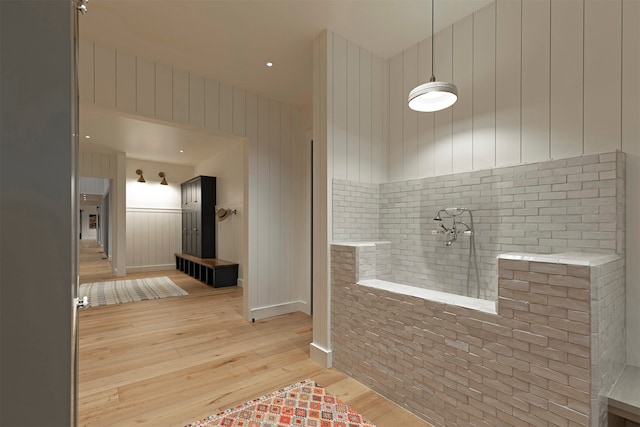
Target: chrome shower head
point(437, 218)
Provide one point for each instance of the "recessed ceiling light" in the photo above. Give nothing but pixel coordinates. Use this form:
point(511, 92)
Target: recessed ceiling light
point(182, 151)
point(269, 64)
point(87, 136)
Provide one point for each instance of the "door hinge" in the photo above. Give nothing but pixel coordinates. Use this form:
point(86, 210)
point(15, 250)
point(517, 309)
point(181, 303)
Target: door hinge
point(82, 303)
point(81, 5)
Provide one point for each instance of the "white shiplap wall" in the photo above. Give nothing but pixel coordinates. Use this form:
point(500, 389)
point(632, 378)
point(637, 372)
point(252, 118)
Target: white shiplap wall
point(153, 237)
point(631, 146)
point(96, 186)
point(273, 130)
point(537, 80)
point(97, 164)
point(228, 167)
point(355, 79)
point(154, 222)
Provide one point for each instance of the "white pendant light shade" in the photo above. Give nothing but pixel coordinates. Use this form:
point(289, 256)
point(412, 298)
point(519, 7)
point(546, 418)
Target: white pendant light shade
point(433, 96)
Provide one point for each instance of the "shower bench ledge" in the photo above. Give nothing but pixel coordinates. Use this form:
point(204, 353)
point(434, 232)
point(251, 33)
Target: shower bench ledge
point(624, 397)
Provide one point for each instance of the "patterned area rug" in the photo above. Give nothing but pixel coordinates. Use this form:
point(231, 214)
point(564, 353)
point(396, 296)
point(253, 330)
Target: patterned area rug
point(303, 404)
point(121, 291)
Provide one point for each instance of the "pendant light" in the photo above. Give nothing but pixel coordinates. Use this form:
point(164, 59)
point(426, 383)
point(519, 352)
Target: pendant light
point(433, 96)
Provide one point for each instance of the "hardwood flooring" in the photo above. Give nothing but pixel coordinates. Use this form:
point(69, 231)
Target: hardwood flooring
point(174, 360)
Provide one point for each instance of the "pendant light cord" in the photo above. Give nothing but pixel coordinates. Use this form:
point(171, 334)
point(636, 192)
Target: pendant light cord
point(433, 77)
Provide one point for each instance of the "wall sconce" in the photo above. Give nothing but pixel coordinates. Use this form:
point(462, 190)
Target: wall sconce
point(140, 178)
point(222, 213)
point(164, 180)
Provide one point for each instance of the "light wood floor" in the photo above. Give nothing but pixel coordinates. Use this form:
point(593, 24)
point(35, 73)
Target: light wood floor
point(172, 361)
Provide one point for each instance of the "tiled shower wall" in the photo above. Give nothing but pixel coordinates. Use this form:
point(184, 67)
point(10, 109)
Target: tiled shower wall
point(574, 204)
point(547, 357)
point(356, 211)
point(608, 344)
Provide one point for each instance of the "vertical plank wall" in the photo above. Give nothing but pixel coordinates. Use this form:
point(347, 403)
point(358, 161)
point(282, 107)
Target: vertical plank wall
point(153, 236)
point(229, 170)
point(542, 79)
point(355, 118)
point(631, 146)
point(273, 132)
point(154, 215)
point(349, 109)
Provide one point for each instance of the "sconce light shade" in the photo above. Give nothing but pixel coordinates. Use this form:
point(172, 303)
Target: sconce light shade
point(433, 96)
point(164, 180)
point(140, 178)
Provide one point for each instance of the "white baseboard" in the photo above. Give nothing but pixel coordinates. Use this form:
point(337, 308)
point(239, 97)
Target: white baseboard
point(143, 268)
point(320, 355)
point(278, 309)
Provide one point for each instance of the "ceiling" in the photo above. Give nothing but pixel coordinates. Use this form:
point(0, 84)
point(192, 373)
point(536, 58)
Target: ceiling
point(148, 140)
point(231, 40)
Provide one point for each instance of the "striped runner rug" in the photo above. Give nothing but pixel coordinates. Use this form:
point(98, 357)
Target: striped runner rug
point(121, 291)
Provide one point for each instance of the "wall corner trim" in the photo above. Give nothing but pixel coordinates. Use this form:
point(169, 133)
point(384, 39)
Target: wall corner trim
point(321, 355)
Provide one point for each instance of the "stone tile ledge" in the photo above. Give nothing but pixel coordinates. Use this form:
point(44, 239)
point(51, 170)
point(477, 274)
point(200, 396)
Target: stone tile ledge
point(359, 244)
point(624, 397)
point(570, 258)
point(436, 296)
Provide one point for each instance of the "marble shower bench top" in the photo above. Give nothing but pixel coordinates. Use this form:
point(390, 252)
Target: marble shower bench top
point(570, 258)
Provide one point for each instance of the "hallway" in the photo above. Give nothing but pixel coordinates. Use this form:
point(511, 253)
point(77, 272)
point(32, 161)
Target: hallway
point(94, 265)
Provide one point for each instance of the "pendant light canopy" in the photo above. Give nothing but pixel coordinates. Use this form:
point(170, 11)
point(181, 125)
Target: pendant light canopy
point(433, 96)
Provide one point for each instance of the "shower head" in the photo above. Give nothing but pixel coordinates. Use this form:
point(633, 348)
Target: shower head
point(437, 218)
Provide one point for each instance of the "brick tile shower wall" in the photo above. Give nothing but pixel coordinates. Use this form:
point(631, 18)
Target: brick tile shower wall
point(564, 205)
point(529, 365)
point(608, 339)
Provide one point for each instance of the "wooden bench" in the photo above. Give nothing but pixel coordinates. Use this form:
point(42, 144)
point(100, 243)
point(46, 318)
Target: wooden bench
point(624, 397)
point(212, 271)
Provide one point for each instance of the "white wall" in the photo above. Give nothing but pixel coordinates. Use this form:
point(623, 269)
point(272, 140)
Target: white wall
point(631, 146)
point(537, 80)
point(151, 194)
point(133, 84)
point(355, 111)
point(228, 168)
point(154, 220)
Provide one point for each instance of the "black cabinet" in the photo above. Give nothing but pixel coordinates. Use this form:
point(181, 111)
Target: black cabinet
point(198, 217)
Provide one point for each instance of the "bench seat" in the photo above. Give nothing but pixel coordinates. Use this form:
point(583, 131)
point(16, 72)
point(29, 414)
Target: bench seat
point(212, 271)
